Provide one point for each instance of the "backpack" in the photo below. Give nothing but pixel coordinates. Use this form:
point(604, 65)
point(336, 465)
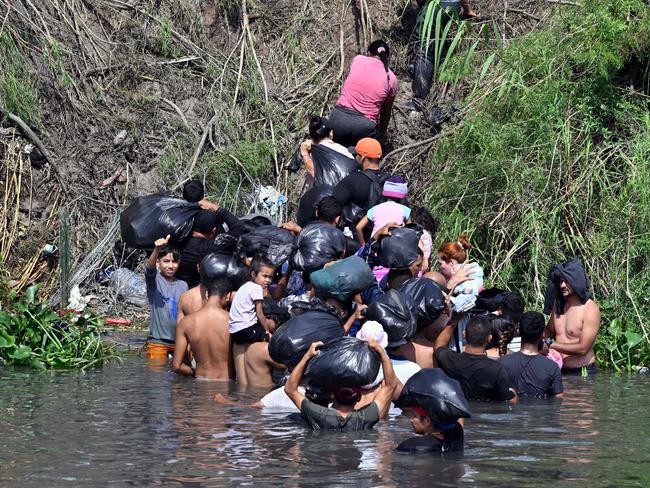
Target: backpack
point(376, 187)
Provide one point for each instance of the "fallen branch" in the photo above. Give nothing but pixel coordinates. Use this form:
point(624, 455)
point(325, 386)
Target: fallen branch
point(565, 2)
point(413, 145)
point(181, 115)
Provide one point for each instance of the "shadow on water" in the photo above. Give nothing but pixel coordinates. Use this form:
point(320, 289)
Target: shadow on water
point(139, 424)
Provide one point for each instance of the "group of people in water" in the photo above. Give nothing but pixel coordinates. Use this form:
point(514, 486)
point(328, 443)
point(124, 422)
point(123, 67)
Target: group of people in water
point(216, 325)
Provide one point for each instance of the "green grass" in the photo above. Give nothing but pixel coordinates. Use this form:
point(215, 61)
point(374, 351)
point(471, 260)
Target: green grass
point(553, 161)
point(18, 86)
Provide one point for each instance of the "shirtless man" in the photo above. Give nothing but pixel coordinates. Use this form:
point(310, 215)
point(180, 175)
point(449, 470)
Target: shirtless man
point(575, 318)
point(254, 365)
point(206, 332)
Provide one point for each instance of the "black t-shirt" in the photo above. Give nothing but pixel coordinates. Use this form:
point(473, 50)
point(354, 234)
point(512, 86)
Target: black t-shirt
point(453, 442)
point(355, 188)
point(480, 377)
point(323, 418)
point(533, 375)
point(206, 220)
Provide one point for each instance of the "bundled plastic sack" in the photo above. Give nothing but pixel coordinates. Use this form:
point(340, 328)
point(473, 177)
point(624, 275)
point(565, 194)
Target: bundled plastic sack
point(275, 243)
point(427, 297)
point(438, 394)
point(224, 243)
point(273, 310)
point(394, 311)
point(309, 203)
point(344, 362)
point(343, 279)
point(330, 166)
point(317, 245)
point(152, 217)
point(130, 286)
point(290, 342)
point(217, 266)
point(400, 248)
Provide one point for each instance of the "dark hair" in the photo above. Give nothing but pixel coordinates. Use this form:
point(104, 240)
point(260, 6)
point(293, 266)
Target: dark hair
point(512, 306)
point(169, 249)
point(503, 330)
point(220, 287)
point(328, 209)
point(381, 49)
point(260, 220)
point(531, 327)
point(478, 330)
point(318, 128)
point(397, 277)
point(423, 217)
point(347, 396)
point(260, 261)
point(193, 191)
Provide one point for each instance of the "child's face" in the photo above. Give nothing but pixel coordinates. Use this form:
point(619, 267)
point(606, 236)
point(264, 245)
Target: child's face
point(264, 277)
point(167, 265)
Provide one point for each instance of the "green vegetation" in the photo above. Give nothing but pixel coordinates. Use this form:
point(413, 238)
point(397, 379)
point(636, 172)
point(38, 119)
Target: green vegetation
point(553, 161)
point(18, 90)
point(32, 334)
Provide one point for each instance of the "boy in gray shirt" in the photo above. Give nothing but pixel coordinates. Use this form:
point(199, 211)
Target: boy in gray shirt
point(163, 293)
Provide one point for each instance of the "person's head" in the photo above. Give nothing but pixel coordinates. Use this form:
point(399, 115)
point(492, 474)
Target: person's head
point(511, 306)
point(168, 261)
point(416, 266)
point(503, 330)
point(319, 129)
point(222, 289)
point(451, 254)
point(395, 189)
point(421, 422)
point(423, 218)
point(260, 220)
point(329, 210)
point(193, 191)
point(397, 277)
point(478, 332)
point(347, 396)
point(565, 289)
point(367, 153)
point(262, 270)
point(531, 327)
point(381, 50)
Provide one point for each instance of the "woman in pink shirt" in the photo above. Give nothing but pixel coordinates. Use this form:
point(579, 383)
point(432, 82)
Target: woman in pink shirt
point(364, 107)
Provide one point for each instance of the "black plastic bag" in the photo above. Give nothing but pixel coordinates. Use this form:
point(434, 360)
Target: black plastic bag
point(330, 166)
point(309, 203)
point(291, 341)
point(347, 361)
point(273, 310)
point(351, 247)
point(217, 266)
point(343, 279)
point(317, 245)
point(273, 242)
point(400, 248)
point(395, 312)
point(224, 243)
point(152, 217)
point(427, 297)
point(441, 396)
point(296, 161)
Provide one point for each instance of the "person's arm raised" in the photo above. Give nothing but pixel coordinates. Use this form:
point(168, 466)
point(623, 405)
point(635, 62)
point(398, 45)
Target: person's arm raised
point(153, 257)
point(291, 387)
point(590, 326)
point(281, 287)
point(445, 335)
point(356, 315)
point(385, 394)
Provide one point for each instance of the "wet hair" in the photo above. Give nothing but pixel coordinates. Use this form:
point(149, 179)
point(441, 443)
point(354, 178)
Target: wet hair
point(503, 330)
point(455, 249)
point(260, 261)
point(380, 48)
point(318, 128)
point(512, 306)
point(478, 330)
point(193, 191)
point(347, 396)
point(423, 218)
point(169, 249)
point(397, 277)
point(220, 287)
point(531, 327)
point(328, 209)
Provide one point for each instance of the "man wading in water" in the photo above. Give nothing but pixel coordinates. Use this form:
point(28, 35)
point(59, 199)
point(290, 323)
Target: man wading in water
point(575, 317)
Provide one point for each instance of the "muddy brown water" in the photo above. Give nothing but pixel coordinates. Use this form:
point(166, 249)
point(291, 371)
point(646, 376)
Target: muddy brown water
point(138, 424)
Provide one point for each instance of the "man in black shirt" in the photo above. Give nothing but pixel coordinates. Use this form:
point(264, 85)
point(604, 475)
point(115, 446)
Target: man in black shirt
point(355, 187)
point(433, 438)
point(480, 377)
point(533, 374)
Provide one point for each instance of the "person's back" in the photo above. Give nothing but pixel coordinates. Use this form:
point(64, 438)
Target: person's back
point(191, 301)
point(256, 369)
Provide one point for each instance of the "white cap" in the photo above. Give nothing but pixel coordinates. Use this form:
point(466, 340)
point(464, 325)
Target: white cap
point(373, 330)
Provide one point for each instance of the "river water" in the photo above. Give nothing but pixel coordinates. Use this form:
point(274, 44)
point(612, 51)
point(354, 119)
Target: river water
point(138, 424)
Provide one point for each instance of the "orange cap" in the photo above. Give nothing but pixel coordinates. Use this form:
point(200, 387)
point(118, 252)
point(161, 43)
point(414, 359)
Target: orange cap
point(368, 147)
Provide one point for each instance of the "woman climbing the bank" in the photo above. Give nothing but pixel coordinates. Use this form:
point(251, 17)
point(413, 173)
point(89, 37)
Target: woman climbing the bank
point(366, 101)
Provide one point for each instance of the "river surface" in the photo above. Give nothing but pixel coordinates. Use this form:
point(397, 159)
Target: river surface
point(137, 424)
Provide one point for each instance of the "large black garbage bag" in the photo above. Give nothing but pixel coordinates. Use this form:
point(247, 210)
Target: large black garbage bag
point(224, 243)
point(400, 248)
point(395, 312)
point(151, 217)
point(351, 247)
point(428, 298)
point(290, 342)
point(309, 203)
point(217, 266)
point(273, 310)
point(317, 245)
point(275, 243)
point(347, 361)
point(330, 166)
point(343, 279)
point(441, 396)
